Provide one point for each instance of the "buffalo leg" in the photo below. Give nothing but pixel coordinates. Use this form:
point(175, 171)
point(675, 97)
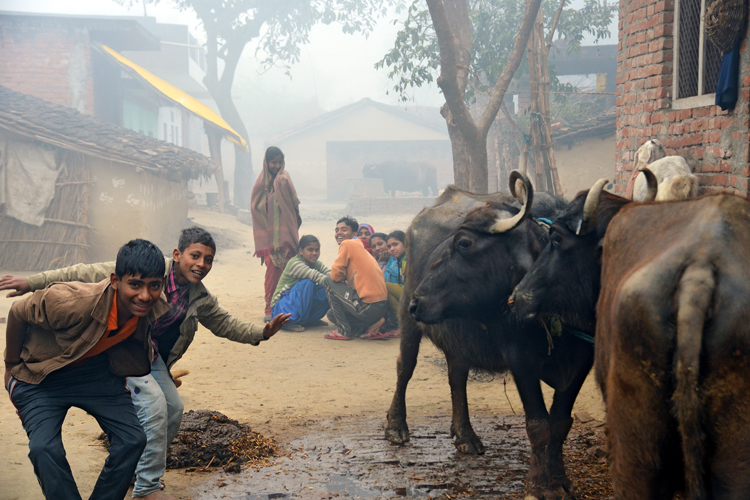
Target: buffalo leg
point(466, 439)
point(396, 430)
point(560, 421)
point(641, 449)
point(538, 432)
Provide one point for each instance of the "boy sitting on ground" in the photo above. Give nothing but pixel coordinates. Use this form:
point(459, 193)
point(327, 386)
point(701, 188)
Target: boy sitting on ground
point(358, 306)
point(72, 345)
point(155, 396)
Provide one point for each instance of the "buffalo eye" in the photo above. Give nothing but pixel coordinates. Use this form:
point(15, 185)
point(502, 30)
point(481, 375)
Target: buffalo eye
point(464, 243)
point(555, 239)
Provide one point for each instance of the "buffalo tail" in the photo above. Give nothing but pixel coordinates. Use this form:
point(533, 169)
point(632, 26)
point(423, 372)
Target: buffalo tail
point(693, 301)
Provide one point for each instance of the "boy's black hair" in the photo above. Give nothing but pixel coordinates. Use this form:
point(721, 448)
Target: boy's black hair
point(140, 258)
point(306, 240)
point(349, 221)
point(272, 153)
point(195, 234)
point(382, 236)
point(399, 235)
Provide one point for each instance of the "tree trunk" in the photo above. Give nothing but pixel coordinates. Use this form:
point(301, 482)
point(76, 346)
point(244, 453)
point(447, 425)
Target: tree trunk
point(450, 19)
point(214, 147)
point(221, 92)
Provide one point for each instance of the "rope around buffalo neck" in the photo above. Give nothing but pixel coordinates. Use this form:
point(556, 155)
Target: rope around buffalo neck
point(583, 336)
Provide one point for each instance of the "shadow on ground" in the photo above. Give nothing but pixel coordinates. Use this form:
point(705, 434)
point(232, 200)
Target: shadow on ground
point(355, 461)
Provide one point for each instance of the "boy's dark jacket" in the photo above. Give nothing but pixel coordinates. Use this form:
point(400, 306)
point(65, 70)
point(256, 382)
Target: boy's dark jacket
point(67, 319)
point(202, 306)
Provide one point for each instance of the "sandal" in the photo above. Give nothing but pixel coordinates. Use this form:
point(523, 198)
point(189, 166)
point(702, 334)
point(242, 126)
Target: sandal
point(293, 328)
point(370, 335)
point(393, 334)
point(334, 335)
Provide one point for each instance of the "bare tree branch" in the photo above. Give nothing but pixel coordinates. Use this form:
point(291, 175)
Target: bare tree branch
point(498, 92)
point(448, 79)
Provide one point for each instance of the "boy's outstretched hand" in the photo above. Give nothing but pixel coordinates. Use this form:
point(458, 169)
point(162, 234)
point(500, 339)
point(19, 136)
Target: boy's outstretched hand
point(275, 325)
point(17, 283)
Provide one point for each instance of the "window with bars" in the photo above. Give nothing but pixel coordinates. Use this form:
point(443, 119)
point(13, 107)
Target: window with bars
point(697, 60)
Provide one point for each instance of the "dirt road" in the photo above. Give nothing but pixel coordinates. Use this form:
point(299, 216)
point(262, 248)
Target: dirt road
point(286, 388)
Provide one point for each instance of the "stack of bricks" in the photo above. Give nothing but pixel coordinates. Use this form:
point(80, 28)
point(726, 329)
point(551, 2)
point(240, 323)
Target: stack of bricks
point(714, 142)
point(47, 59)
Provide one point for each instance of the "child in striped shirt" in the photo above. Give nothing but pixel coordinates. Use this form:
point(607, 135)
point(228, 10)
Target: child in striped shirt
point(300, 291)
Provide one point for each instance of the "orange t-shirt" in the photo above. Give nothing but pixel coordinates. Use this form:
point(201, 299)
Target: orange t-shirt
point(112, 336)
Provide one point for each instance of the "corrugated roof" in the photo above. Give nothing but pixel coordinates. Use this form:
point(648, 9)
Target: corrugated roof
point(178, 96)
point(68, 129)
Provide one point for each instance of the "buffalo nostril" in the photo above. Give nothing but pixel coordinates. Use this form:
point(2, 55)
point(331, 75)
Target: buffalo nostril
point(413, 307)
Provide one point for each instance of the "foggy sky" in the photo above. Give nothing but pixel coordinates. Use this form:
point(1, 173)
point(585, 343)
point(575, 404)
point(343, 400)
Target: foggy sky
point(335, 67)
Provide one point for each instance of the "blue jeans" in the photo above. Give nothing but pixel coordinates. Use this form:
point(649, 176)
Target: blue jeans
point(159, 408)
point(96, 390)
point(305, 301)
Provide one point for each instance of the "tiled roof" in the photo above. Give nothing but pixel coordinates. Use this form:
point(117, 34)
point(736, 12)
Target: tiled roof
point(68, 129)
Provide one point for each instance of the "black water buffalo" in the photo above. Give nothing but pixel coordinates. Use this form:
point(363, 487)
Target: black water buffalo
point(667, 286)
point(465, 257)
point(403, 176)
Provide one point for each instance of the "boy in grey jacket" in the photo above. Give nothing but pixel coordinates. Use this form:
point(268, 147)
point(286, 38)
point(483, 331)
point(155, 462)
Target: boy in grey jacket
point(158, 404)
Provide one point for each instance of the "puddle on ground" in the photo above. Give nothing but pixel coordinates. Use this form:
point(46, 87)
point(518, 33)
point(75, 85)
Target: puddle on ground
point(344, 460)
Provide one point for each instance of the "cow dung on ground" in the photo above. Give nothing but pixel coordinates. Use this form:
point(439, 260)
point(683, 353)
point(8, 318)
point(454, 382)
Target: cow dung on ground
point(210, 439)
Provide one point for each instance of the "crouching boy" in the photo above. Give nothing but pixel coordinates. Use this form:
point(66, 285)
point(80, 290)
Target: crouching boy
point(157, 402)
point(73, 344)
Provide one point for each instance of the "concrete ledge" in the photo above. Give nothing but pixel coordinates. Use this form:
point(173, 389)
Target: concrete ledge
point(387, 205)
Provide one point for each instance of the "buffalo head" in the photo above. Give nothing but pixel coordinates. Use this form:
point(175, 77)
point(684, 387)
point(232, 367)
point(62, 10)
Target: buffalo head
point(565, 280)
point(480, 262)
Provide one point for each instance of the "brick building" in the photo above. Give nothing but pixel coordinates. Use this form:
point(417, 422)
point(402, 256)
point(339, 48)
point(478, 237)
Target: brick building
point(667, 71)
point(52, 57)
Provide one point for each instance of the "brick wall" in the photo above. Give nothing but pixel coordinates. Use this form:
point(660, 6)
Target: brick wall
point(47, 59)
point(714, 142)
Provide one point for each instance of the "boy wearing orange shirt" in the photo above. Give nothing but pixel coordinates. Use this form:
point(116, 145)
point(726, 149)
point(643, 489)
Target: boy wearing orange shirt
point(72, 345)
point(356, 293)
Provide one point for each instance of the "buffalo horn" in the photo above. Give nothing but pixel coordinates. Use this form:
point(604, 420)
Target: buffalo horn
point(591, 208)
point(521, 188)
point(652, 184)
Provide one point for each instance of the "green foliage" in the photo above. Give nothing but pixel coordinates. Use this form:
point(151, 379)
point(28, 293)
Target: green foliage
point(414, 59)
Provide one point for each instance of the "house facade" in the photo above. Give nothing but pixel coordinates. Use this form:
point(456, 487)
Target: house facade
point(323, 153)
point(74, 189)
point(667, 79)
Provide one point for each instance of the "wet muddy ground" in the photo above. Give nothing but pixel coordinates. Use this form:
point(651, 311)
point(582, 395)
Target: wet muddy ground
point(331, 460)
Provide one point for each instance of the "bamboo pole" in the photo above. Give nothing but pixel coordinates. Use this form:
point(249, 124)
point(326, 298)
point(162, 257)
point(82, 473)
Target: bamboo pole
point(534, 76)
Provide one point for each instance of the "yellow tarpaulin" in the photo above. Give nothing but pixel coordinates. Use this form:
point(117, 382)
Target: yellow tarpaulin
point(181, 97)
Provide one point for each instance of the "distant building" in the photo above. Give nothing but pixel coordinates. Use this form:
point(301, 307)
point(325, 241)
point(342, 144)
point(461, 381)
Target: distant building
point(323, 153)
point(74, 189)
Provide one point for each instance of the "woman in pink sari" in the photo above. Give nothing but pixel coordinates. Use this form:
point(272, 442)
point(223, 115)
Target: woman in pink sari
point(276, 219)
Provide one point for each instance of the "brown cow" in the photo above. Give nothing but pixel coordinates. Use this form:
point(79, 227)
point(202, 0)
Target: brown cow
point(672, 335)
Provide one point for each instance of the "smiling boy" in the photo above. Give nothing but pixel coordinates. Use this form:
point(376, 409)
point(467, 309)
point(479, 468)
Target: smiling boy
point(155, 396)
point(72, 345)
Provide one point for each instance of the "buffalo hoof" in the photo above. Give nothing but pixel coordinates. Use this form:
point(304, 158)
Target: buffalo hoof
point(397, 432)
point(469, 446)
point(552, 493)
